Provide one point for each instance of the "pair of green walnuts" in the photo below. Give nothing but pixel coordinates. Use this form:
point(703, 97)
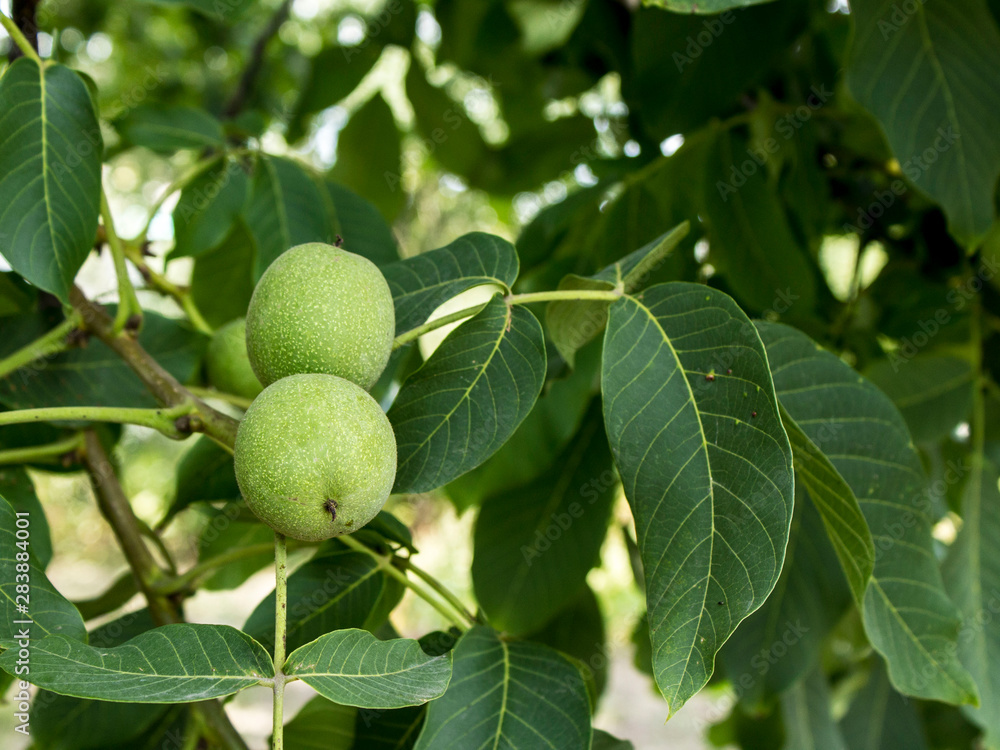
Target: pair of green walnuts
point(315, 454)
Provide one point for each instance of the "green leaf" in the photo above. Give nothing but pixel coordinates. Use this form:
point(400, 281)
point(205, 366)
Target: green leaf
point(809, 723)
point(604, 741)
point(422, 283)
point(578, 631)
point(782, 641)
point(694, 427)
point(574, 323)
point(354, 668)
point(333, 592)
point(47, 611)
point(362, 226)
point(907, 615)
point(536, 443)
point(205, 473)
point(534, 545)
point(687, 69)
point(879, 718)
point(171, 664)
point(50, 173)
point(704, 6)
point(751, 240)
point(468, 398)
point(222, 280)
point(286, 208)
point(972, 576)
point(452, 139)
point(18, 489)
point(173, 724)
point(231, 528)
point(321, 725)
point(226, 10)
point(169, 129)
point(333, 74)
point(375, 174)
point(933, 392)
point(539, 240)
point(834, 499)
point(208, 208)
point(95, 376)
point(927, 73)
point(396, 729)
point(508, 695)
point(61, 722)
point(16, 295)
point(386, 527)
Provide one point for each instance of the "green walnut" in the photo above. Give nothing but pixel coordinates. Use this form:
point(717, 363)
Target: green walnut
point(315, 457)
point(321, 309)
point(228, 363)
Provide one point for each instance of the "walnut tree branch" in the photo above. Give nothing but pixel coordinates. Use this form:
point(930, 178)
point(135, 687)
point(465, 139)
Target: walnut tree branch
point(157, 380)
point(249, 78)
point(116, 509)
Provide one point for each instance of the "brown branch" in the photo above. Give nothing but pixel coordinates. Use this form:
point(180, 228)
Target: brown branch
point(249, 78)
point(23, 14)
point(115, 508)
point(117, 511)
point(157, 380)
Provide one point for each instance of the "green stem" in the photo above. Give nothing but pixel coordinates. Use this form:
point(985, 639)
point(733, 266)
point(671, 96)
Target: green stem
point(159, 419)
point(45, 345)
point(229, 398)
point(128, 303)
point(560, 295)
point(163, 285)
point(280, 613)
point(386, 563)
point(179, 184)
point(189, 578)
point(405, 338)
point(48, 453)
point(513, 299)
point(19, 39)
point(443, 590)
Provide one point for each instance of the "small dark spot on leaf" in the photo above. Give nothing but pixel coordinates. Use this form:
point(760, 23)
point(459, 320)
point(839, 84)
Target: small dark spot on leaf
point(753, 414)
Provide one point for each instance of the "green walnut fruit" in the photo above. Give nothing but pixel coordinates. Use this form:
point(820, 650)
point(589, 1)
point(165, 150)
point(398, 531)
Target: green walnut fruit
point(321, 309)
point(315, 457)
point(228, 363)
